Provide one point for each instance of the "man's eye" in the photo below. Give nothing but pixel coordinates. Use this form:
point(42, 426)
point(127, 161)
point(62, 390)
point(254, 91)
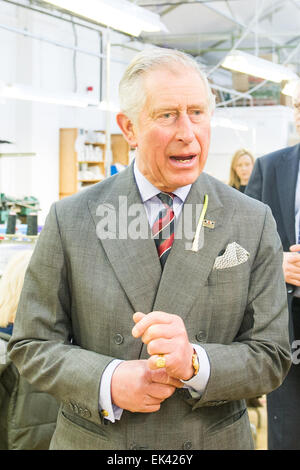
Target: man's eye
point(167, 118)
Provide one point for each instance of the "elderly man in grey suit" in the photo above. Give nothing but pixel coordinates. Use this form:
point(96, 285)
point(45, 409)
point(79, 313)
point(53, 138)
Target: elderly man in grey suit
point(150, 337)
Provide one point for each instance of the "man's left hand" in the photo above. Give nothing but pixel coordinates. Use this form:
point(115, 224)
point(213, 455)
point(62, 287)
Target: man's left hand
point(165, 333)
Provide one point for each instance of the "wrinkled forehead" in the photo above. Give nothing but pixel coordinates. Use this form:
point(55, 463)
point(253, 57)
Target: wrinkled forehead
point(163, 81)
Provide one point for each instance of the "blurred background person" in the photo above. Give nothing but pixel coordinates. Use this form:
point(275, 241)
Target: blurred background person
point(27, 416)
point(240, 169)
point(275, 181)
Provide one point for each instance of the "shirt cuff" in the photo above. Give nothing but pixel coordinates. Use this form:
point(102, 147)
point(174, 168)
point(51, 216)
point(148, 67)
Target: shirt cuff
point(198, 382)
point(107, 408)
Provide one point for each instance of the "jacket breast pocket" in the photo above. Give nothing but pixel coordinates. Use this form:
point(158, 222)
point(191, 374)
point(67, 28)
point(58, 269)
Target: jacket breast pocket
point(231, 275)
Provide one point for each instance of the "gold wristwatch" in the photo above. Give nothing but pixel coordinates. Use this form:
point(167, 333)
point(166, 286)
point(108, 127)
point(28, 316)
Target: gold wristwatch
point(195, 363)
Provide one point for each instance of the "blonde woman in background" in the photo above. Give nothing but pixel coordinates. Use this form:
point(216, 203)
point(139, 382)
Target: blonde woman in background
point(240, 169)
point(27, 416)
point(11, 285)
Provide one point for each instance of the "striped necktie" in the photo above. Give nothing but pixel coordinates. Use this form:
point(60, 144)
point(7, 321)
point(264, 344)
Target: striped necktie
point(163, 227)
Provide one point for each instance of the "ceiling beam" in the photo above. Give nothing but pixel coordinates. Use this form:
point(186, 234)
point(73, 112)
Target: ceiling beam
point(252, 30)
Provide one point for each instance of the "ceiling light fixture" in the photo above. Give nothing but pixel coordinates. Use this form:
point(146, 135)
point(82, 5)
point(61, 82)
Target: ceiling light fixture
point(257, 67)
point(120, 15)
point(28, 93)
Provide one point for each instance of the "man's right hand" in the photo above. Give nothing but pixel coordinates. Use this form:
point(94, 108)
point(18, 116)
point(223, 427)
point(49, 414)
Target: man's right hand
point(136, 388)
point(291, 265)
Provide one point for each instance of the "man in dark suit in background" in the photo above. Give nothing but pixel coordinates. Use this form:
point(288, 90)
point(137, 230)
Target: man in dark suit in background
point(275, 180)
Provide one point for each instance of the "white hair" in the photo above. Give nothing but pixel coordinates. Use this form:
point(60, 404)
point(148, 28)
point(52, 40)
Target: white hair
point(296, 91)
point(131, 89)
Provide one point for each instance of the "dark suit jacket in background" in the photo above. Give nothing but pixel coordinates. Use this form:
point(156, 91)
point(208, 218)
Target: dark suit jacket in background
point(80, 293)
point(273, 181)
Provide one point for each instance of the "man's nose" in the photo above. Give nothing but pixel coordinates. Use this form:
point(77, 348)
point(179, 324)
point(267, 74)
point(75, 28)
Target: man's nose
point(185, 131)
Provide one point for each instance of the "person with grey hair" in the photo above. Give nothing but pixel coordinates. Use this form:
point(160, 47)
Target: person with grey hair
point(275, 180)
point(147, 294)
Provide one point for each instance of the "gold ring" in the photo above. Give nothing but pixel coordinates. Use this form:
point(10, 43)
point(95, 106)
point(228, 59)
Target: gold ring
point(161, 361)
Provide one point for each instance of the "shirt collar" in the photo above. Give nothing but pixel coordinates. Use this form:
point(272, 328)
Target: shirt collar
point(148, 190)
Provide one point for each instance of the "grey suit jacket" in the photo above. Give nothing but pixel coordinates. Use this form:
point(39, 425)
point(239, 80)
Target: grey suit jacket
point(80, 292)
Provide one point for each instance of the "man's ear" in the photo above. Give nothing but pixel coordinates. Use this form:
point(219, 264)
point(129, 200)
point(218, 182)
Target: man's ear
point(127, 129)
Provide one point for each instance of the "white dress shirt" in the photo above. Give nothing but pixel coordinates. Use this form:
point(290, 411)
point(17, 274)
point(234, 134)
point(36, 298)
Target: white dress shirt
point(196, 384)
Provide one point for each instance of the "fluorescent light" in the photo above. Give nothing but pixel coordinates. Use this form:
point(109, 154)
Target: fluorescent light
point(28, 93)
point(289, 88)
point(121, 15)
point(257, 67)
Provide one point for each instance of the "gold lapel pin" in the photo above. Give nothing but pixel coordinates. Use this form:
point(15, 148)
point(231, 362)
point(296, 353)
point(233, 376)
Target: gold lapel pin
point(209, 223)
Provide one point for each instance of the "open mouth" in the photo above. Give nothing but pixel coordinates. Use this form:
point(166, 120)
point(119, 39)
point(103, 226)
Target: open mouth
point(183, 158)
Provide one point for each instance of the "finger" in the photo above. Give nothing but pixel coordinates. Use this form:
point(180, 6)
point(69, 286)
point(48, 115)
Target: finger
point(152, 399)
point(294, 248)
point(161, 376)
point(150, 319)
point(160, 346)
point(138, 316)
point(294, 282)
point(293, 258)
point(150, 408)
point(159, 330)
point(153, 362)
point(292, 269)
point(160, 391)
point(295, 264)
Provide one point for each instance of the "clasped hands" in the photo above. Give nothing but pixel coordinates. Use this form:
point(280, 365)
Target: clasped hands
point(139, 385)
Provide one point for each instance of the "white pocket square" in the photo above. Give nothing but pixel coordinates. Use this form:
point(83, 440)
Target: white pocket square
point(233, 256)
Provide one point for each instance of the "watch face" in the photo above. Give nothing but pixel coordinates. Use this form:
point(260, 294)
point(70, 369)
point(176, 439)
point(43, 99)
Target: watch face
point(195, 363)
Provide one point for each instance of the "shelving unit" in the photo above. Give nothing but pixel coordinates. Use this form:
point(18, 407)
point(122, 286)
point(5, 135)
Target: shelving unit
point(82, 156)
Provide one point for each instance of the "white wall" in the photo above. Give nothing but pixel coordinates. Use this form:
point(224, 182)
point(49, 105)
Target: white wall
point(269, 128)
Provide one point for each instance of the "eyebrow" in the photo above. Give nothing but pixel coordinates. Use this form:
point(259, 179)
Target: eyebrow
point(176, 108)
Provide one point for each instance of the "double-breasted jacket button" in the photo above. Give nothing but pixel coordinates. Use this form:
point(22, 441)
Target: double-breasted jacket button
point(118, 338)
point(187, 445)
point(200, 336)
point(86, 413)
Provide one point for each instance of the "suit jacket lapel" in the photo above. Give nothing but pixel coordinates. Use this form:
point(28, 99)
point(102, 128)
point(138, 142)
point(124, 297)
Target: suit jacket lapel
point(135, 261)
point(185, 271)
point(287, 173)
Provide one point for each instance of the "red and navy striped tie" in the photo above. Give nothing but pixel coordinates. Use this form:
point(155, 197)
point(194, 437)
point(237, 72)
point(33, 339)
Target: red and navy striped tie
point(163, 227)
